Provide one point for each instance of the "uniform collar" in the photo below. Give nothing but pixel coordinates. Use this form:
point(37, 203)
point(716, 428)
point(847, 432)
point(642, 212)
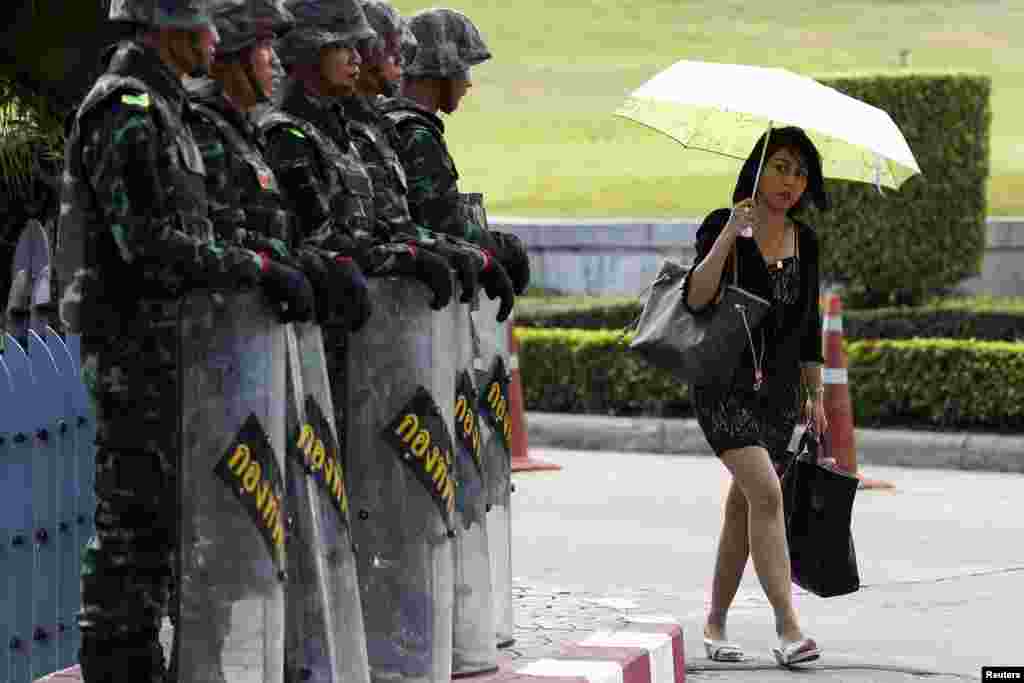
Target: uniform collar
point(326, 113)
point(401, 103)
point(131, 58)
point(209, 92)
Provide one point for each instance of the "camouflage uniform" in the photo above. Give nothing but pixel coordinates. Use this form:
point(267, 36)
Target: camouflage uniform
point(447, 46)
point(247, 209)
point(133, 236)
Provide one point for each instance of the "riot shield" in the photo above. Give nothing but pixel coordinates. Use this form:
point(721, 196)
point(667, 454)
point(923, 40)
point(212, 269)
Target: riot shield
point(400, 379)
point(16, 511)
point(473, 643)
point(326, 638)
point(69, 539)
point(495, 434)
point(233, 520)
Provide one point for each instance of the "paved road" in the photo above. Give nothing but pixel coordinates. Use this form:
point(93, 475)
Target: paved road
point(941, 559)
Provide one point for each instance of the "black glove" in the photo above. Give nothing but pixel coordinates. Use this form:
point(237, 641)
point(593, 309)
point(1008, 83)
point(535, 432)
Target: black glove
point(512, 253)
point(289, 290)
point(497, 284)
point(341, 289)
point(467, 260)
point(406, 259)
point(347, 279)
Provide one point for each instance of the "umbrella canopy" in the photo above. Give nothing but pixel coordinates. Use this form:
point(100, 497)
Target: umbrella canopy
point(725, 108)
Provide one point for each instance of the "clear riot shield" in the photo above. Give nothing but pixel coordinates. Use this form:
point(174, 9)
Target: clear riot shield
point(8, 428)
point(491, 366)
point(400, 379)
point(326, 639)
point(233, 524)
point(473, 645)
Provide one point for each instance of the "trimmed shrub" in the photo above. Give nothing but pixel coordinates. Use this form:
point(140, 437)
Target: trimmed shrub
point(963, 319)
point(929, 235)
point(938, 383)
point(944, 383)
point(591, 371)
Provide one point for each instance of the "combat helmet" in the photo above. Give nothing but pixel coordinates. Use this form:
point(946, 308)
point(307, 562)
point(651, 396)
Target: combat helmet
point(241, 23)
point(183, 14)
point(448, 44)
point(320, 24)
point(391, 28)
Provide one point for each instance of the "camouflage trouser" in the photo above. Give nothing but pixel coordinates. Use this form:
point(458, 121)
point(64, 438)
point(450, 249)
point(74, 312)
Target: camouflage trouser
point(127, 569)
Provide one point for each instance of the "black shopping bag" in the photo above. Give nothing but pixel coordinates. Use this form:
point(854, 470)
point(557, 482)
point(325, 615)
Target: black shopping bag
point(818, 505)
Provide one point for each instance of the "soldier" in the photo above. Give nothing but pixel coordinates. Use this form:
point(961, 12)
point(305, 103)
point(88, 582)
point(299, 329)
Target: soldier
point(436, 79)
point(310, 148)
point(373, 135)
point(134, 236)
point(247, 205)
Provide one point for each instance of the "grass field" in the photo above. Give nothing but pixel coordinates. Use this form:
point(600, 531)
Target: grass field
point(537, 134)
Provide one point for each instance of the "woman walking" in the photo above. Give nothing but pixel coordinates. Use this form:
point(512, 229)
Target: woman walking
point(750, 421)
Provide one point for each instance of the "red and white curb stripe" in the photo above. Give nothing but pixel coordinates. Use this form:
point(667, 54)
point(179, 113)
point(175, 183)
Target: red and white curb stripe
point(648, 650)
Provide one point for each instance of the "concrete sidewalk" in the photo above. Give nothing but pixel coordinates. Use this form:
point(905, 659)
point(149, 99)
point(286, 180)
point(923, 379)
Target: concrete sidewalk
point(895, 447)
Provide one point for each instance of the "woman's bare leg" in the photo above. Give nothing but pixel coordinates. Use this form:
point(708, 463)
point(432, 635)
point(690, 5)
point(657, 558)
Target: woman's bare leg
point(733, 551)
point(752, 470)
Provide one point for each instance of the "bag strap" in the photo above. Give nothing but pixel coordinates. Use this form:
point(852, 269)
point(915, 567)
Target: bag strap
point(735, 265)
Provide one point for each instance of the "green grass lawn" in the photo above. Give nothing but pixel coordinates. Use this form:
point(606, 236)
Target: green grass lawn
point(537, 134)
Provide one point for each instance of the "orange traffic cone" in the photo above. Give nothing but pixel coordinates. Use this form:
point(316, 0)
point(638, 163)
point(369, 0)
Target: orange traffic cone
point(521, 460)
point(838, 408)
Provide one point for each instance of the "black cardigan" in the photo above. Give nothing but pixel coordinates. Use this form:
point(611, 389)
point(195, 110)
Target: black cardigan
point(799, 336)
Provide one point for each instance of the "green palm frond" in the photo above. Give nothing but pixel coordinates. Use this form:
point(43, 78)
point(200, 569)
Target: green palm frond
point(30, 135)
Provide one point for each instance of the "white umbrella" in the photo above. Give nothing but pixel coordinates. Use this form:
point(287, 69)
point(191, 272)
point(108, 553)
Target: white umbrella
point(725, 108)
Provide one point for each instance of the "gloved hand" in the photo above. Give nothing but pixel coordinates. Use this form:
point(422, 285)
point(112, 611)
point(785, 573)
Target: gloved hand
point(465, 258)
point(347, 279)
point(288, 289)
point(497, 284)
point(406, 259)
point(341, 289)
point(512, 253)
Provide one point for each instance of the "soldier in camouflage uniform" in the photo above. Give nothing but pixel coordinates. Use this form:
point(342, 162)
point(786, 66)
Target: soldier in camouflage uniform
point(133, 237)
point(436, 79)
point(247, 204)
point(374, 135)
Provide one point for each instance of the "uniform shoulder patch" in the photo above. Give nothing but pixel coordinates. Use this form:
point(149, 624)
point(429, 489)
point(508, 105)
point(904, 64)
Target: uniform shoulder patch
point(140, 100)
point(296, 132)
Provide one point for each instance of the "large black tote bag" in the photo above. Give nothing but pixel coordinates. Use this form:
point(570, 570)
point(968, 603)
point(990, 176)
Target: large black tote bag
point(702, 349)
point(818, 506)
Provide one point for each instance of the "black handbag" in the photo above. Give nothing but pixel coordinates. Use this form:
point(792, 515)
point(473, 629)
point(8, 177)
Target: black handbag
point(818, 506)
point(704, 348)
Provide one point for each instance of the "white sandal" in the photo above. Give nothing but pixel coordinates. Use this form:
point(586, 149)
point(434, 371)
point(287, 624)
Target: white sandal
point(799, 652)
point(723, 651)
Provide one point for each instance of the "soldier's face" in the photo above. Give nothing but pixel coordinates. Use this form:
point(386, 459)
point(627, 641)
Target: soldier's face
point(262, 61)
point(453, 90)
point(339, 67)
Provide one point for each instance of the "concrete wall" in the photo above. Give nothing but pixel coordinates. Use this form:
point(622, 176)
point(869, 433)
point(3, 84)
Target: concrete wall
point(621, 256)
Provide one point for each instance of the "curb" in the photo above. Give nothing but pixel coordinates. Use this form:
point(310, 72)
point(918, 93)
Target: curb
point(648, 650)
point(890, 447)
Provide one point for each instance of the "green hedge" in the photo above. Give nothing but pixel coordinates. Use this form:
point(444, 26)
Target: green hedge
point(930, 234)
point(991, 320)
point(939, 383)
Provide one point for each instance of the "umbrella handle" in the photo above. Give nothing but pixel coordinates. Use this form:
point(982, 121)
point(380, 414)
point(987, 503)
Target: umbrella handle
point(760, 164)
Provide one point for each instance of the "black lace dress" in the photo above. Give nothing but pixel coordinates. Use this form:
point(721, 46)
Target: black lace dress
point(739, 415)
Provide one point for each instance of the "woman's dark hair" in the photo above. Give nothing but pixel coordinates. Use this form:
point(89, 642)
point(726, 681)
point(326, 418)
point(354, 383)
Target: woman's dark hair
point(793, 138)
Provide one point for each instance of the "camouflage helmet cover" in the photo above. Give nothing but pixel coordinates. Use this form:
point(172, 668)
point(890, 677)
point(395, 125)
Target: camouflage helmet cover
point(448, 44)
point(320, 24)
point(183, 14)
point(241, 23)
point(344, 17)
point(391, 27)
